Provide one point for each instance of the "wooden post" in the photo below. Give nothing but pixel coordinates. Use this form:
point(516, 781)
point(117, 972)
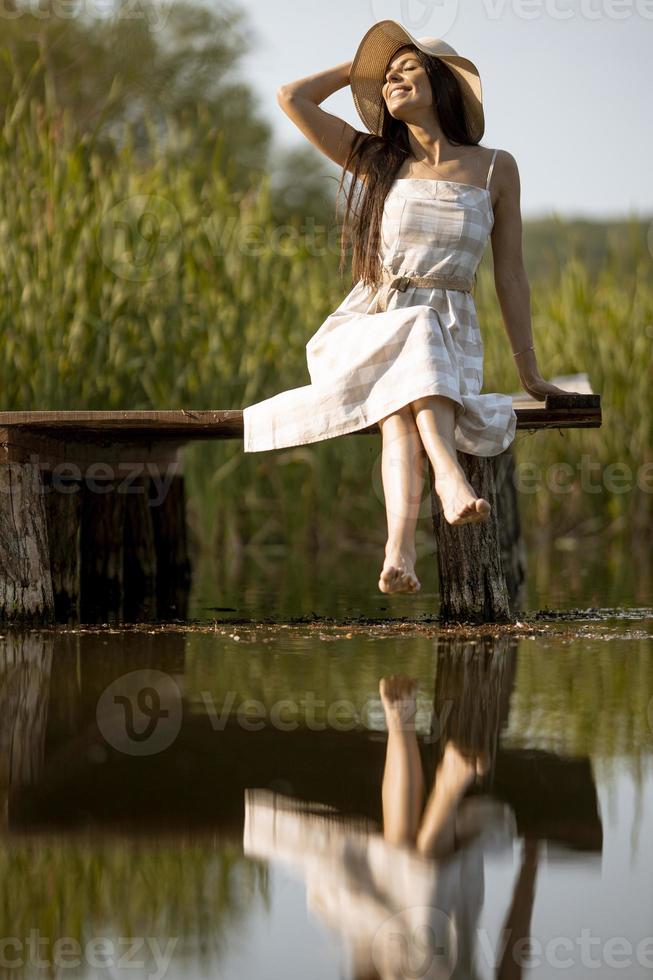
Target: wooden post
point(472, 583)
point(63, 501)
point(25, 582)
point(102, 551)
point(139, 560)
point(174, 571)
point(511, 542)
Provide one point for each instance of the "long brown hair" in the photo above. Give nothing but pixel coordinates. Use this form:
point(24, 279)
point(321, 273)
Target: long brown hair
point(380, 158)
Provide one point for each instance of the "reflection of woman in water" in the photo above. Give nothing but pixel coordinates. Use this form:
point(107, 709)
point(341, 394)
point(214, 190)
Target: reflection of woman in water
point(432, 832)
point(407, 899)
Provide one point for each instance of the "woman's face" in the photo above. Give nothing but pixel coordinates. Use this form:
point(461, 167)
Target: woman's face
point(407, 86)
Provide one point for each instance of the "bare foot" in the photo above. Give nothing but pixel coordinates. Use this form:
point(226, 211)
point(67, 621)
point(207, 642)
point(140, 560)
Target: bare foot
point(457, 771)
point(398, 572)
point(460, 504)
point(399, 703)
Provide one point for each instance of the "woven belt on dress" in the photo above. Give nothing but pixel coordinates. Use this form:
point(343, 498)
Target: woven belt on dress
point(393, 281)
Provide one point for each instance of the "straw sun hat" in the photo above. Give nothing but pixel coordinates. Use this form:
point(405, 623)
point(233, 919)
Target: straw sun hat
point(367, 74)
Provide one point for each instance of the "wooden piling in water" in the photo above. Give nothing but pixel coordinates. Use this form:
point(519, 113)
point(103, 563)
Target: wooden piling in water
point(139, 555)
point(102, 554)
point(174, 570)
point(25, 583)
point(63, 501)
point(472, 583)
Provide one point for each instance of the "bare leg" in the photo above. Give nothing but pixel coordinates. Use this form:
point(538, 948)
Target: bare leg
point(435, 836)
point(402, 470)
point(435, 421)
point(402, 792)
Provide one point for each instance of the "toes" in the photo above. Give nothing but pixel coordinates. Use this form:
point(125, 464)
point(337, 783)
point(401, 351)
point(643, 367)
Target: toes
point(412, 582)
point(388, 579)
point(409, 582)
point(396, 687)
point(393, 579)
point(476, 510)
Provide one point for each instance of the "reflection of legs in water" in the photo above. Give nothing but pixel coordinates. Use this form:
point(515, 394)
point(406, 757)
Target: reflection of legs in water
point(436, 836)
point(403, 782)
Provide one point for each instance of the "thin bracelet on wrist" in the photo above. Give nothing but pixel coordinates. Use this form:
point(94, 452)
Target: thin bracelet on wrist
point(523, 351)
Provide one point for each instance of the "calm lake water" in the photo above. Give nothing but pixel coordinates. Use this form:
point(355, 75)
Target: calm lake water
point(222, 798)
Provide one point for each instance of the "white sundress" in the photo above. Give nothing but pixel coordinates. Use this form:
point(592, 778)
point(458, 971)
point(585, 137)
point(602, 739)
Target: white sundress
point(365, 364)
point(390, 904)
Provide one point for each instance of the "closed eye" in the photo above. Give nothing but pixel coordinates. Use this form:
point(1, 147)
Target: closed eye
point(409, 68)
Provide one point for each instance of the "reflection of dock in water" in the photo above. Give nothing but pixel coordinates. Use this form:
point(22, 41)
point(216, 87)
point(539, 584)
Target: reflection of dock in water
point(25, 666)
point(58, 769)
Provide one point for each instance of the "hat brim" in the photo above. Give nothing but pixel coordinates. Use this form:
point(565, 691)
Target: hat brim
point(367, 75)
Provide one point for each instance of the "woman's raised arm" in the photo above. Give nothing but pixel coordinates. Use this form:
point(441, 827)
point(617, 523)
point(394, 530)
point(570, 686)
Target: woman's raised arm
point(300, 100)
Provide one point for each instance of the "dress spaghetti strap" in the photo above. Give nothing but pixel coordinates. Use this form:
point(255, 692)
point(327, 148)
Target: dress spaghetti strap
point(489, 173)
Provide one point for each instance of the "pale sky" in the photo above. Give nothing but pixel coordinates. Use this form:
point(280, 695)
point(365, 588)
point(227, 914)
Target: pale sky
point(567, 84)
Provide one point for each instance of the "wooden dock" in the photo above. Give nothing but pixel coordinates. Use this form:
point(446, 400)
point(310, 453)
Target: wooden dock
point(93, 526)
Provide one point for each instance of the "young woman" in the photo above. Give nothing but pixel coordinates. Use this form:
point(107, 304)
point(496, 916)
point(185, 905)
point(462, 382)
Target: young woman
point(404, 347)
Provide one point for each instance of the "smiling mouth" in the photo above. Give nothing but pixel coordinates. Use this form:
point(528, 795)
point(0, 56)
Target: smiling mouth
point(399, 91)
